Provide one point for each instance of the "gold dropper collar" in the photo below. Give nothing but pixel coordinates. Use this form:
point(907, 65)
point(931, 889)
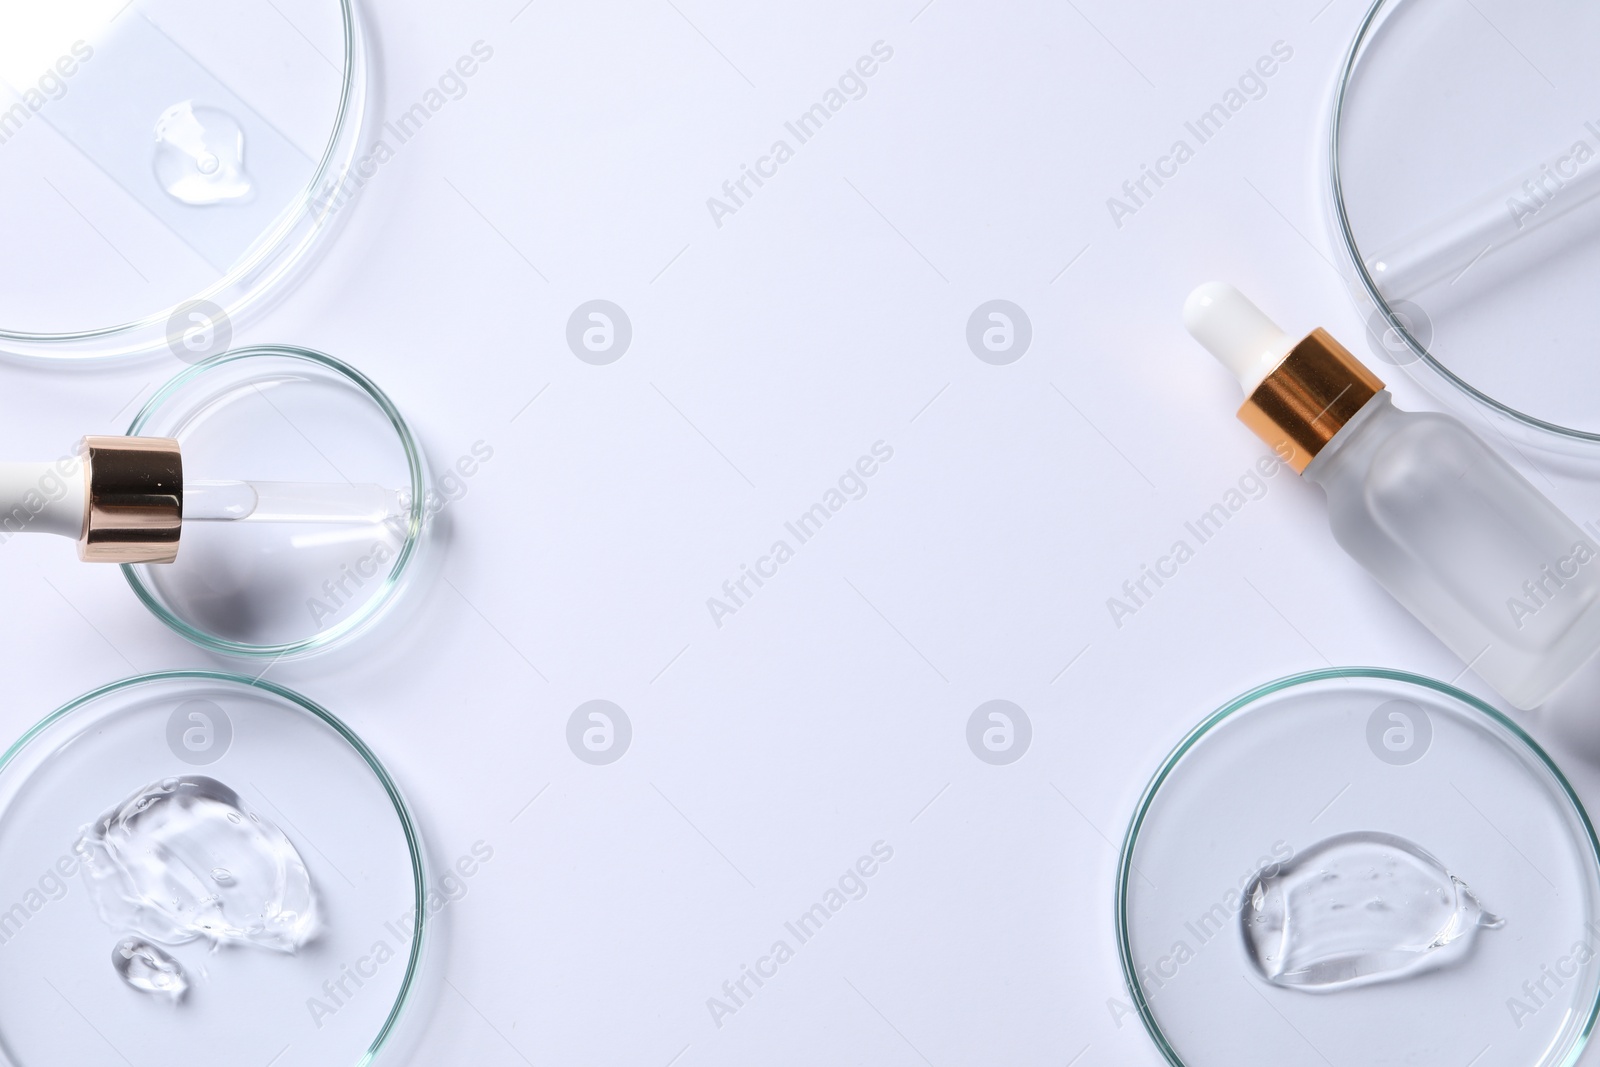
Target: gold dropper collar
point(133, 500)
point(1308, 398)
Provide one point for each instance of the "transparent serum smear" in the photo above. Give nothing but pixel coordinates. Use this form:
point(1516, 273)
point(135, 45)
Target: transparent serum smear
point(1358, 909)
point(200, 155)
point(184, 859)
point(149, 969)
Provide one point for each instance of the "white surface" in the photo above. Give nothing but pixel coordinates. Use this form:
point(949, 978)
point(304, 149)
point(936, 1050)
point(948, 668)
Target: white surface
point(826, 314)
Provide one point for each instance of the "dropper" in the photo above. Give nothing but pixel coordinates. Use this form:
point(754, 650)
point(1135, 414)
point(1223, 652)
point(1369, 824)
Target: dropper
point(335, 502)
point(1447, 245)
point(124, 500)
point(1236, 332)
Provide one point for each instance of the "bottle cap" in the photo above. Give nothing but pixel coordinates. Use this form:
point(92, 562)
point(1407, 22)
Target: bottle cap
point(133, 507)
point(1298, 395)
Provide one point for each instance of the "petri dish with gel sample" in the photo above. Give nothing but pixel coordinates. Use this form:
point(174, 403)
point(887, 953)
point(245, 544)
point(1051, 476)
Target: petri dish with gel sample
point(198, 868)
point(314, 496)
point(1361, 866)
point(1465, 185)
point(167, 167)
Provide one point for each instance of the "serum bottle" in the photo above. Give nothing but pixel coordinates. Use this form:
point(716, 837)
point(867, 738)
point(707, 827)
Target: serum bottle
point(1498, 572)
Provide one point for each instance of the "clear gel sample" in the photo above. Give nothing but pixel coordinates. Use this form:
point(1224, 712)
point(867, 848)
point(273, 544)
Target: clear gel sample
point(1358, 909)
point(148, 969)
point(200, 155)
point(183, 859)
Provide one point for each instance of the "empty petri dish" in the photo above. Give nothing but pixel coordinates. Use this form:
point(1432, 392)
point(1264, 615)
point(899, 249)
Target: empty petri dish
point(1360, 866)
point(1465, 163)
point(169, 165)
point(198, 868)
point(305, 503)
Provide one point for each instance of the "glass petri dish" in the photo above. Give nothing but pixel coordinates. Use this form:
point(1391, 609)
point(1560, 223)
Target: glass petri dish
point(283, 415)
point(1370, 752)
point(290, 763)
point(167, 166)
point(1464, 164)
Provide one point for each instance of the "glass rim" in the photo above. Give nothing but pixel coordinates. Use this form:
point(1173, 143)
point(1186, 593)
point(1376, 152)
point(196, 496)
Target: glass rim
point(1125, 868)
point(408, 826)
point(266, 266)
point(1545, 430)
point(375, 605)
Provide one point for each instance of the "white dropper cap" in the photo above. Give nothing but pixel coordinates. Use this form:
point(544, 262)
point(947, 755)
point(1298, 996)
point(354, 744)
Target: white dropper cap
point(39, 497)
point(1236, 332)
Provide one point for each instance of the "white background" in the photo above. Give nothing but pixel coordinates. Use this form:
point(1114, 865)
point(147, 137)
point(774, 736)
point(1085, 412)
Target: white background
point(769, 353)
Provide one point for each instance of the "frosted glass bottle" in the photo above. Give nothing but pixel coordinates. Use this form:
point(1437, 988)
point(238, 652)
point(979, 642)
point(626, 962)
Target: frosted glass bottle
point(1486, 561)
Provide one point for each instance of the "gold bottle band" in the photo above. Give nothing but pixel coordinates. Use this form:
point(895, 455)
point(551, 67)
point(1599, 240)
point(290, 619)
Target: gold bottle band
point(1308, 398)
point(133, 500)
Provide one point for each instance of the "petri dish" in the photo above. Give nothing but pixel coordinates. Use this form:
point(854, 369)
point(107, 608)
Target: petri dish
point(167, 166)
point(288, 762)
point(1376, 756)
point(283, 416)
point(1464, 164)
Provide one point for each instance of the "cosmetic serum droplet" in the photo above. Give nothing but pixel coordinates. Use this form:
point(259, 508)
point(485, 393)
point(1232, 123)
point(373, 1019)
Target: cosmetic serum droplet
point(1358, 909)
point(200, 155)
point(183, 859)
point(148, 969)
